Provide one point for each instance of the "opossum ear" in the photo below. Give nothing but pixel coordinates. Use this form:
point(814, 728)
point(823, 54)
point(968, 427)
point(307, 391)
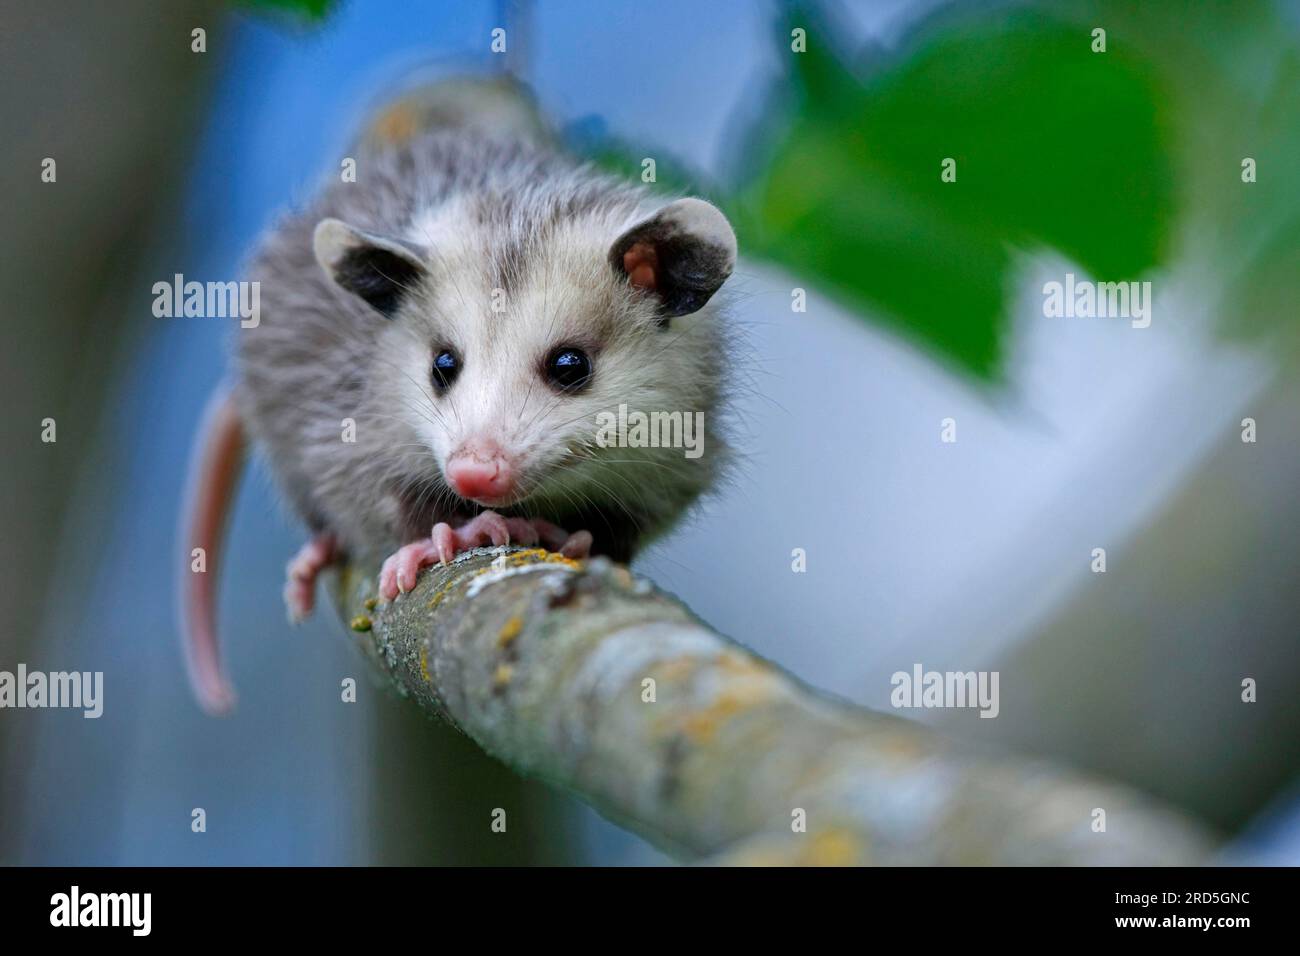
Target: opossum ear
point(377, 269)
point(682, 255)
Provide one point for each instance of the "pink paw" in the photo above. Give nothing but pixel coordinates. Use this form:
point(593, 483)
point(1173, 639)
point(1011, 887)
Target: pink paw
point(402, 569)
point(301, 573)
point(576, 546)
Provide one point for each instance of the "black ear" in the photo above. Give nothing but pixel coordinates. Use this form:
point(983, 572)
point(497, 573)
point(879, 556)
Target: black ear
point(378, 270)
point(682, 255)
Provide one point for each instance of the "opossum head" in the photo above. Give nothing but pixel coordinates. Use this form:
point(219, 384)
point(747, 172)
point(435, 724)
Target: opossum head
point(519, 342)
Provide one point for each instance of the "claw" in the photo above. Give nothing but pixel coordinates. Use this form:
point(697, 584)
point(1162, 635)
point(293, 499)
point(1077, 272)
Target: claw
point(577, 546)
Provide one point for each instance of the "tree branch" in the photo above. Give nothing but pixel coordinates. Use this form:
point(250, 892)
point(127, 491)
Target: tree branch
point(545, 662)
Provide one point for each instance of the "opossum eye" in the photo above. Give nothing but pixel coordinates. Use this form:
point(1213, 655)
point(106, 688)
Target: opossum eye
point(446, 366)
point(568, 369)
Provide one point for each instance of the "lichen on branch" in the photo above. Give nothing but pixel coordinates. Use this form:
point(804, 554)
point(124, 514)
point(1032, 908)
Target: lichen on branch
point(590, 677)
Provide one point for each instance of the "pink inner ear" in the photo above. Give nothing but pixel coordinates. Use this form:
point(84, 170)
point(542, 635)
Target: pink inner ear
point(640, 263)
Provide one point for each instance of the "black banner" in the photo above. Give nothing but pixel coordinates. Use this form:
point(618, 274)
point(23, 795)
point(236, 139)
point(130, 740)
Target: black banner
point(335, 905)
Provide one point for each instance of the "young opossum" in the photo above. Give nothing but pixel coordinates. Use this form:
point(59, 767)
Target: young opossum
point(437, 340)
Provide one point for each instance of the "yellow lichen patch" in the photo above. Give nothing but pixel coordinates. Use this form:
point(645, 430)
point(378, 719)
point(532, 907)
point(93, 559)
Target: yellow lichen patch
point(424, 665)
point(360, 623)
point(676, 668)
point(518, 559)
point(440, 594)
point(831, 847)
point(371, 603)
point(521, 557)
point(501, 676)
point(510, 631)
point(702, 725)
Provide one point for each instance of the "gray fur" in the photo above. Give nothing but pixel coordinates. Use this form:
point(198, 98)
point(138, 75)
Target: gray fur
point(484, 212)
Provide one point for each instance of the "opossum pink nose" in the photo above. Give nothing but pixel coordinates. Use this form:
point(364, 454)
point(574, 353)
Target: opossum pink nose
point(481, 472)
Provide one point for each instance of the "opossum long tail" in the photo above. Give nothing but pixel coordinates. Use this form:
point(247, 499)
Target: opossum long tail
point(215, 466)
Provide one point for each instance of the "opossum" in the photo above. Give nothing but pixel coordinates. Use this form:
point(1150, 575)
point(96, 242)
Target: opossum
point(437, 343)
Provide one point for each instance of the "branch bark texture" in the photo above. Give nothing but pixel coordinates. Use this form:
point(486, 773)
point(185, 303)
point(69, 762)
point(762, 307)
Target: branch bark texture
point(587, 676)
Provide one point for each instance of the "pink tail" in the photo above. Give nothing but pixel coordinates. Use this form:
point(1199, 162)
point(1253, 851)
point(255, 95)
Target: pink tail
point(215, 466)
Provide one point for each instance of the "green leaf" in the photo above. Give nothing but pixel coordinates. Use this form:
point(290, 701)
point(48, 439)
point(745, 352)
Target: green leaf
point(1055, 146)
point(308, 9)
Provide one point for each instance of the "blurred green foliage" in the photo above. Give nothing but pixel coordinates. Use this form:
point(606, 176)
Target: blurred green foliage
point(1233, 76)
point(308, 9)
point(1054, 146)
point(1125, 162)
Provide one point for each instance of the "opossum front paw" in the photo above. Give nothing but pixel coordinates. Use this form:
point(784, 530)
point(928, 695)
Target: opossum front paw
point(400, 572)
point(525, 531)
point(576, 546)
point(301, 573)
